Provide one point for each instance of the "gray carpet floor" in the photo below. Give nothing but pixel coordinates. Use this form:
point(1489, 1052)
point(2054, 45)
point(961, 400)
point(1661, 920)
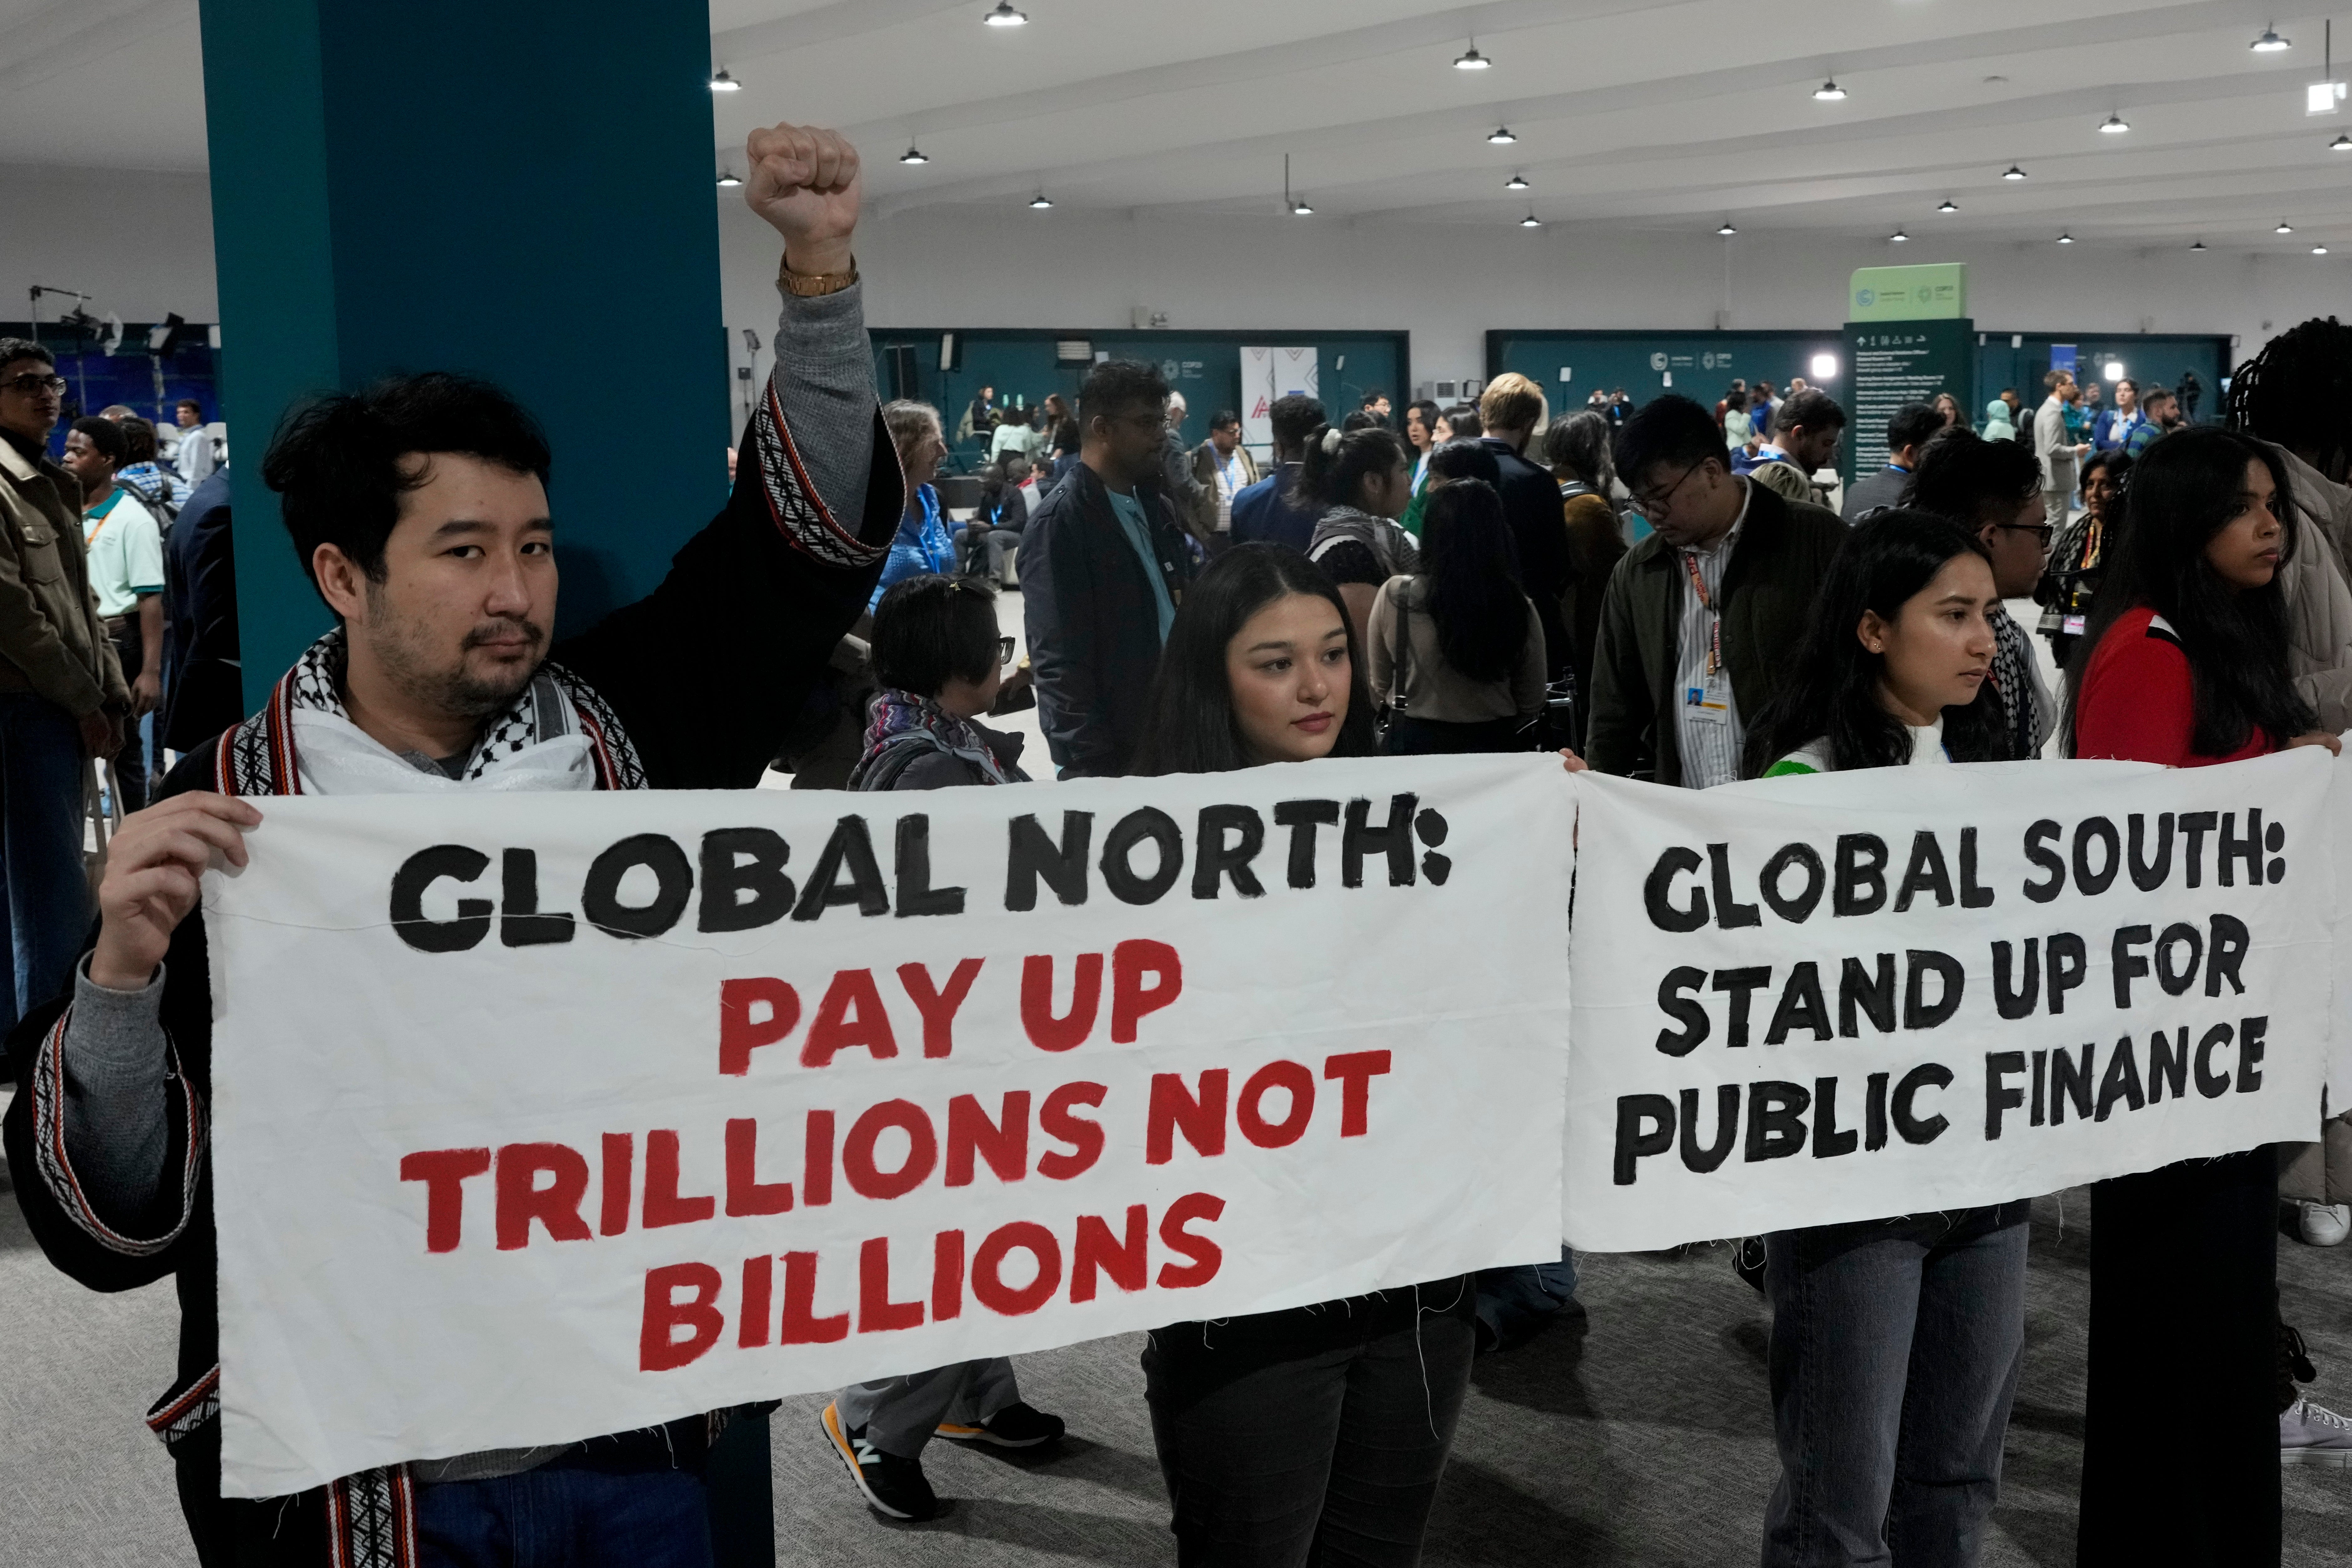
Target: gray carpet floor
point(1641, 1436)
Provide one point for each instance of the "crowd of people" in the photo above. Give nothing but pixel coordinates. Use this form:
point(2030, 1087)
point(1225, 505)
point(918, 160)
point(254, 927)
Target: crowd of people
point(1660, 592)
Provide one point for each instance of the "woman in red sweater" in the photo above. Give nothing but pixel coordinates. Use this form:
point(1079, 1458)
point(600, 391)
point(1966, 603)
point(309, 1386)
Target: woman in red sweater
point(2188, 666)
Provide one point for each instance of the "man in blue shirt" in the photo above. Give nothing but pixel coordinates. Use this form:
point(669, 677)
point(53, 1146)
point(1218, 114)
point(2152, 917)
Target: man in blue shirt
point(1102, 564)
point(1263, 512)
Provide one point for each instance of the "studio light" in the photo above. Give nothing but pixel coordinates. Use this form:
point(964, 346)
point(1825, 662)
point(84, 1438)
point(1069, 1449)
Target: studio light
point(2012, 173)
point(1531, 221)
point(2114, 125)
point(2112, 370)
point(1950, 207)
point(1516, 183)
point(721, 82)
point(1727, 229)
point(1039, 203)
point(1470, 59)
point(2270, 43)
point(1825, 367)
point(1501, 136)
point(913, 154)
point(728, 177)
point(1829, 92)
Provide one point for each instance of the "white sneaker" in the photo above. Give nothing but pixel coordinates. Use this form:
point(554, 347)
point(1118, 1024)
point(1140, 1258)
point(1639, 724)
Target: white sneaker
point(2323, 1225)
point(2313, 1435)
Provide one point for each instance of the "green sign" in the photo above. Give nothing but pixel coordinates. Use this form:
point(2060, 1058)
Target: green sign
point(1890, 364)
point(1935, 292)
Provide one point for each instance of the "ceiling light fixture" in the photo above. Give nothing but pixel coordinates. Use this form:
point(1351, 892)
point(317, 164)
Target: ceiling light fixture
point(1501, 136)
point(1830, 92)
point(2283, 227)
point(2198, 246)
point(2341, 144)
point(1039, 201)
point(2065, 239)
point(2270, 43)
point(1299, 208)
point(913, 154)
point(1470, 59)
point(1298, 205)
point(2114, 125)
point(2012, 173)
point(2319, 250)
point(1516, 183)
point(1727, 229)
point(1949, 206)
point(1898, 237)
point(1004, 16)
point(1531, 221)
point(728, 177)
point(721, 82)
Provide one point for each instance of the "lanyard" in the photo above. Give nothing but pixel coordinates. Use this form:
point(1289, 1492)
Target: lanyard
point(1714, 617)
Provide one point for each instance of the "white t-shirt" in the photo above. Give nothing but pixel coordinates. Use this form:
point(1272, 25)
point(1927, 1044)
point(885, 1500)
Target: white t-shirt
point(126, 553)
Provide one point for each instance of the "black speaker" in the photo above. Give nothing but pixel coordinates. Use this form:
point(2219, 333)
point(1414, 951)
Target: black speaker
point(905, 378)
point(950, 353)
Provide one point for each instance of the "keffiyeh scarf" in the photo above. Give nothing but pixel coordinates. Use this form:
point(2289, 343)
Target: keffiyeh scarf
point(2013, 682)
point(903, 718)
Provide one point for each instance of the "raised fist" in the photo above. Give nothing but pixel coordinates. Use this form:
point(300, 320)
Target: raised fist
point(804, 181)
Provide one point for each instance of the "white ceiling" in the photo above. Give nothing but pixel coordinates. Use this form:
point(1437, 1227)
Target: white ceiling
point(1666, 115)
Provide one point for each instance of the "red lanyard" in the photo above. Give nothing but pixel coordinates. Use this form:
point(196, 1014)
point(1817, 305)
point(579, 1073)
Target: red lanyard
point(1714, 619)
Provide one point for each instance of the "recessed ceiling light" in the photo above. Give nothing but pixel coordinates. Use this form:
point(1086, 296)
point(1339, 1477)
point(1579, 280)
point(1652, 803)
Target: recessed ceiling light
point(2270, 43)
point(1040, 202)
point(1950, 207)
point(1301, 209)
point(1727, 228)
point(1829, 92)
point(2114, 125)
point(721, 82)
point(1898, 237)
point(2341, 144)
point(730, 177)
point(2012, 173)
point(1516, 183)
point(913, 154)
point(1531, 221)
point(1004, 16)
point(1470, 59)
point(1501, 136)
point(2283, 227)
point(2065, 239)
point(2199, 246)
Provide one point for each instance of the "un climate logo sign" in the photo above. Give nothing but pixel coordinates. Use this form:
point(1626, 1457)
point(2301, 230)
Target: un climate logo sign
point(1865, 297)
point(1657, 362)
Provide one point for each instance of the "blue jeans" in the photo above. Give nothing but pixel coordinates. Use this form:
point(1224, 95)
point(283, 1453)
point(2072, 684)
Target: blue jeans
point(562, 1517)
point(1895, 1351)
point(48, 910)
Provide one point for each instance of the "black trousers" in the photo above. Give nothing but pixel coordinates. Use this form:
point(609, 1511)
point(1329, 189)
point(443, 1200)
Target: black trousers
point(2180, 1454)
point(1411, 736)
point(131, 763)
point(1327, 1458)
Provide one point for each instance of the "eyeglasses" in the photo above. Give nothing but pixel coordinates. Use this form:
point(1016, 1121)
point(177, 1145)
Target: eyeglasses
point(2042, 532)
point(1654, 504)
point(33, 382)
point(1003, 651)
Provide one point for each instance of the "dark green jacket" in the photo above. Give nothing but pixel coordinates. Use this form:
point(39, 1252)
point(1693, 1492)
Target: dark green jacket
point(1767, 591)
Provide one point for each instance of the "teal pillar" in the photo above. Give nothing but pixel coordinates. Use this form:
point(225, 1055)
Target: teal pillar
point(520, 190)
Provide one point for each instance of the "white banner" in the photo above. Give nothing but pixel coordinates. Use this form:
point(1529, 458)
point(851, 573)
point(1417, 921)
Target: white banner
point(1269, 373)
point(1845, 996)
point(538, 1117)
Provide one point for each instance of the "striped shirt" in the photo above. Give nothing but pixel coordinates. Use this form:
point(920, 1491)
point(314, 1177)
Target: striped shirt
point(1710, 745)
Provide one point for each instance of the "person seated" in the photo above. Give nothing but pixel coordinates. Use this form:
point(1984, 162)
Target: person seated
point(991, 535)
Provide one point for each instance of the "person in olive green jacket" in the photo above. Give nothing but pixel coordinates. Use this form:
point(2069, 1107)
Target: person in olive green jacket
point(1702, 618)
point(62, 696)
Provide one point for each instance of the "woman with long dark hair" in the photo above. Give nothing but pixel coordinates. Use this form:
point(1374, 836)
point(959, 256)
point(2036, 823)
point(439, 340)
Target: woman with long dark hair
point(1360, 483)
point(2191, 1403)
point(1320, 1433)
point(1421, 436)
point(2078, 559)
point(1896, 1342)
point(1456, 649)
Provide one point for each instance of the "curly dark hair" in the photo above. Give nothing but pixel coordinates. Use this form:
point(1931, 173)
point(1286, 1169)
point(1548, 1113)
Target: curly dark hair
point(2296, 393)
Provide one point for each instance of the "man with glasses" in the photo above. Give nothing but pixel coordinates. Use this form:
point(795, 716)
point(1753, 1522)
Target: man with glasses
point(1994, 489)
point(62, 696)
point(1701, 619)
point(1101, 565)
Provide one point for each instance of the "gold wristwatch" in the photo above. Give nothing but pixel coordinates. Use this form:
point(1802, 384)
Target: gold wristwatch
point(812, 285)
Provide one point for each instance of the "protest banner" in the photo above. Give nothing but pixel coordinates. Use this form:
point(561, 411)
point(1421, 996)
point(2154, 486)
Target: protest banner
point(1852, 995)
point(538, 1117)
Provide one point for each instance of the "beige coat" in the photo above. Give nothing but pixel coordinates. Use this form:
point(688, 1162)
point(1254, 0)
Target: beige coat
point(2318, 587)
point(51, 643)
point(2055, 449)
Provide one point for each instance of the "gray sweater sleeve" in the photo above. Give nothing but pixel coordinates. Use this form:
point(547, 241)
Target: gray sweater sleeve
point(823, 383)
point(117, 1084)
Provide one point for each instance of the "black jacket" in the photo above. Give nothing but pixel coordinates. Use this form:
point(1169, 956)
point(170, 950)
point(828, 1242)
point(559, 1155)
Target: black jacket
point(200, 620)
point(1093, 622)
point(1531, 506)
point(703, 672)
